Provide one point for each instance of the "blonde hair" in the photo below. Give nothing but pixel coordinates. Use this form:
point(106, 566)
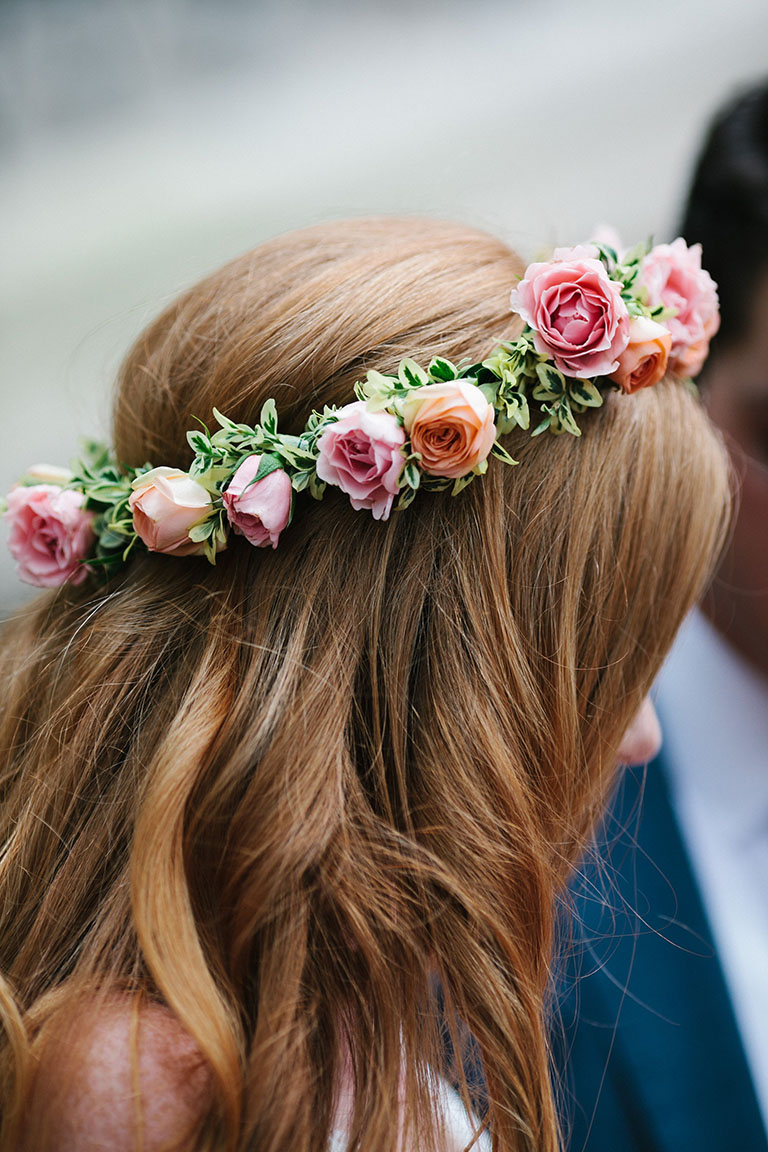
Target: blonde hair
point(281, 796)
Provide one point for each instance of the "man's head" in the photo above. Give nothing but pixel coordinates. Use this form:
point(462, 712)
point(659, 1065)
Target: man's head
point(727, 212)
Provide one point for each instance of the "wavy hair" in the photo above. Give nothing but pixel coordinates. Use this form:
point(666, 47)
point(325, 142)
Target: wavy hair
point(284, 796)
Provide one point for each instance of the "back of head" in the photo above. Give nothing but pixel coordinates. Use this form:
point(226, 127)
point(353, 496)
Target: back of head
point(282, 794)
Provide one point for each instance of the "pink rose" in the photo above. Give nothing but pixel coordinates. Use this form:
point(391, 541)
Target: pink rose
point(258, 511)
point(578, 317)
point(644, 361)
point(166, 503)
point(451, 425)
point(674, 277)
point(362, 454)
point(51, 534)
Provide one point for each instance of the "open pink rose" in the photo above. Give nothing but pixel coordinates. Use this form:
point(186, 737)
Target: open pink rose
point(451, 425)
point(258, 511)
point(673, 275)
point(362, 454)
point(644, 360)
point(166, 503)
point(51, 534)
point(578, 317)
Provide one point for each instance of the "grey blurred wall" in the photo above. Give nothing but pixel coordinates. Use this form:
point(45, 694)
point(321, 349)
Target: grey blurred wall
point(144, 142)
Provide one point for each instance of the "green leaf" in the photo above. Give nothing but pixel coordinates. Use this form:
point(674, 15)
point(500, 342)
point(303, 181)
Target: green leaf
point(300, 480)
point(585, 392)
point(316, 486)
point(515, 411)
point(411, 475)
point(461, 482)
point(211, 478)
point(491, 391)
point(268, 417)
point(227, 424)
point(109, 540)
point(551, 384)
point(200, 532)
point(501, 454)
point(199, 443)
point(545, 424)
point(564, 417)
point(406, 498)
point(94, 455)
point(410, 374)
point(106, 493)
point(268, 463)
point(442, 370)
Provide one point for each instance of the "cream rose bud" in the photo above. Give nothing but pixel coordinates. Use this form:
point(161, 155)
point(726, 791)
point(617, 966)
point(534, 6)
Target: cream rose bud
point(644, 361)
point(166, 503)
point(451, 426)
point(49, 474)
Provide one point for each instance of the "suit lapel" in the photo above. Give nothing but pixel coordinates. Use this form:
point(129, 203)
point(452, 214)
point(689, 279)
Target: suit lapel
point(675, 1045)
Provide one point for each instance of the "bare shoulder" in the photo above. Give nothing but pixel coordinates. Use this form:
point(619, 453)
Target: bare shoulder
point(137, 1080)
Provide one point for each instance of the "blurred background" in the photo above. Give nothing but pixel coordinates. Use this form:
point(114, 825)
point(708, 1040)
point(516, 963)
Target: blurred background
point(144, 142)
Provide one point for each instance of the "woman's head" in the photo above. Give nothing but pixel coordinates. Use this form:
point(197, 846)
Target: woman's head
point(282, 794)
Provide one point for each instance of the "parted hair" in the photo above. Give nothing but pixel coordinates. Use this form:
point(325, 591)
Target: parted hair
point(284, 798)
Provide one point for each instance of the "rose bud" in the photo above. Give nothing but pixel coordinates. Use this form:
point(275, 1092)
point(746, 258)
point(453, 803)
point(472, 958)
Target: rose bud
point(259, 511)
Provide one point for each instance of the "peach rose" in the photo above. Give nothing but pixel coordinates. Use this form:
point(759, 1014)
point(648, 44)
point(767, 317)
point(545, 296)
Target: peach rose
point(166, 503)
point(451, 425)
point(644, 361)
point(689, 361)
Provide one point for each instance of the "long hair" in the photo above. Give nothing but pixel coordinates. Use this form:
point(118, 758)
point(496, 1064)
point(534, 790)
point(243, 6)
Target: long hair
point(284, 796)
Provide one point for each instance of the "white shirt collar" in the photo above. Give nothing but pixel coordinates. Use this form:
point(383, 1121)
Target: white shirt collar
point(714, 714)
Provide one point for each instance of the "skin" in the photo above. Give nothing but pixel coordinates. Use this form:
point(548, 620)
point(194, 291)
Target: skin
point(642, 740)
point(736, 392)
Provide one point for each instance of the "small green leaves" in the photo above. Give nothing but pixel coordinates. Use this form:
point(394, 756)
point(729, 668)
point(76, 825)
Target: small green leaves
point(558, 418)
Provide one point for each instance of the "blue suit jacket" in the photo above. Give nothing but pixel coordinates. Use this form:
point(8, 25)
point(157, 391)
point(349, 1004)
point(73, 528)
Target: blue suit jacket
point(650, 1055)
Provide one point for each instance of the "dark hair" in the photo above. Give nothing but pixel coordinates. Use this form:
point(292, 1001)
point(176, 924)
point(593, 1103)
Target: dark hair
point(727, 208)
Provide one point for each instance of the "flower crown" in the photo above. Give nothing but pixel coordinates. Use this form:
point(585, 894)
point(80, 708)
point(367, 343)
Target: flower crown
point(592, 318)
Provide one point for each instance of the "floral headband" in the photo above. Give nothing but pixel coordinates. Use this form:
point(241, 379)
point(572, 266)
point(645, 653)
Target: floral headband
point(592, 317)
